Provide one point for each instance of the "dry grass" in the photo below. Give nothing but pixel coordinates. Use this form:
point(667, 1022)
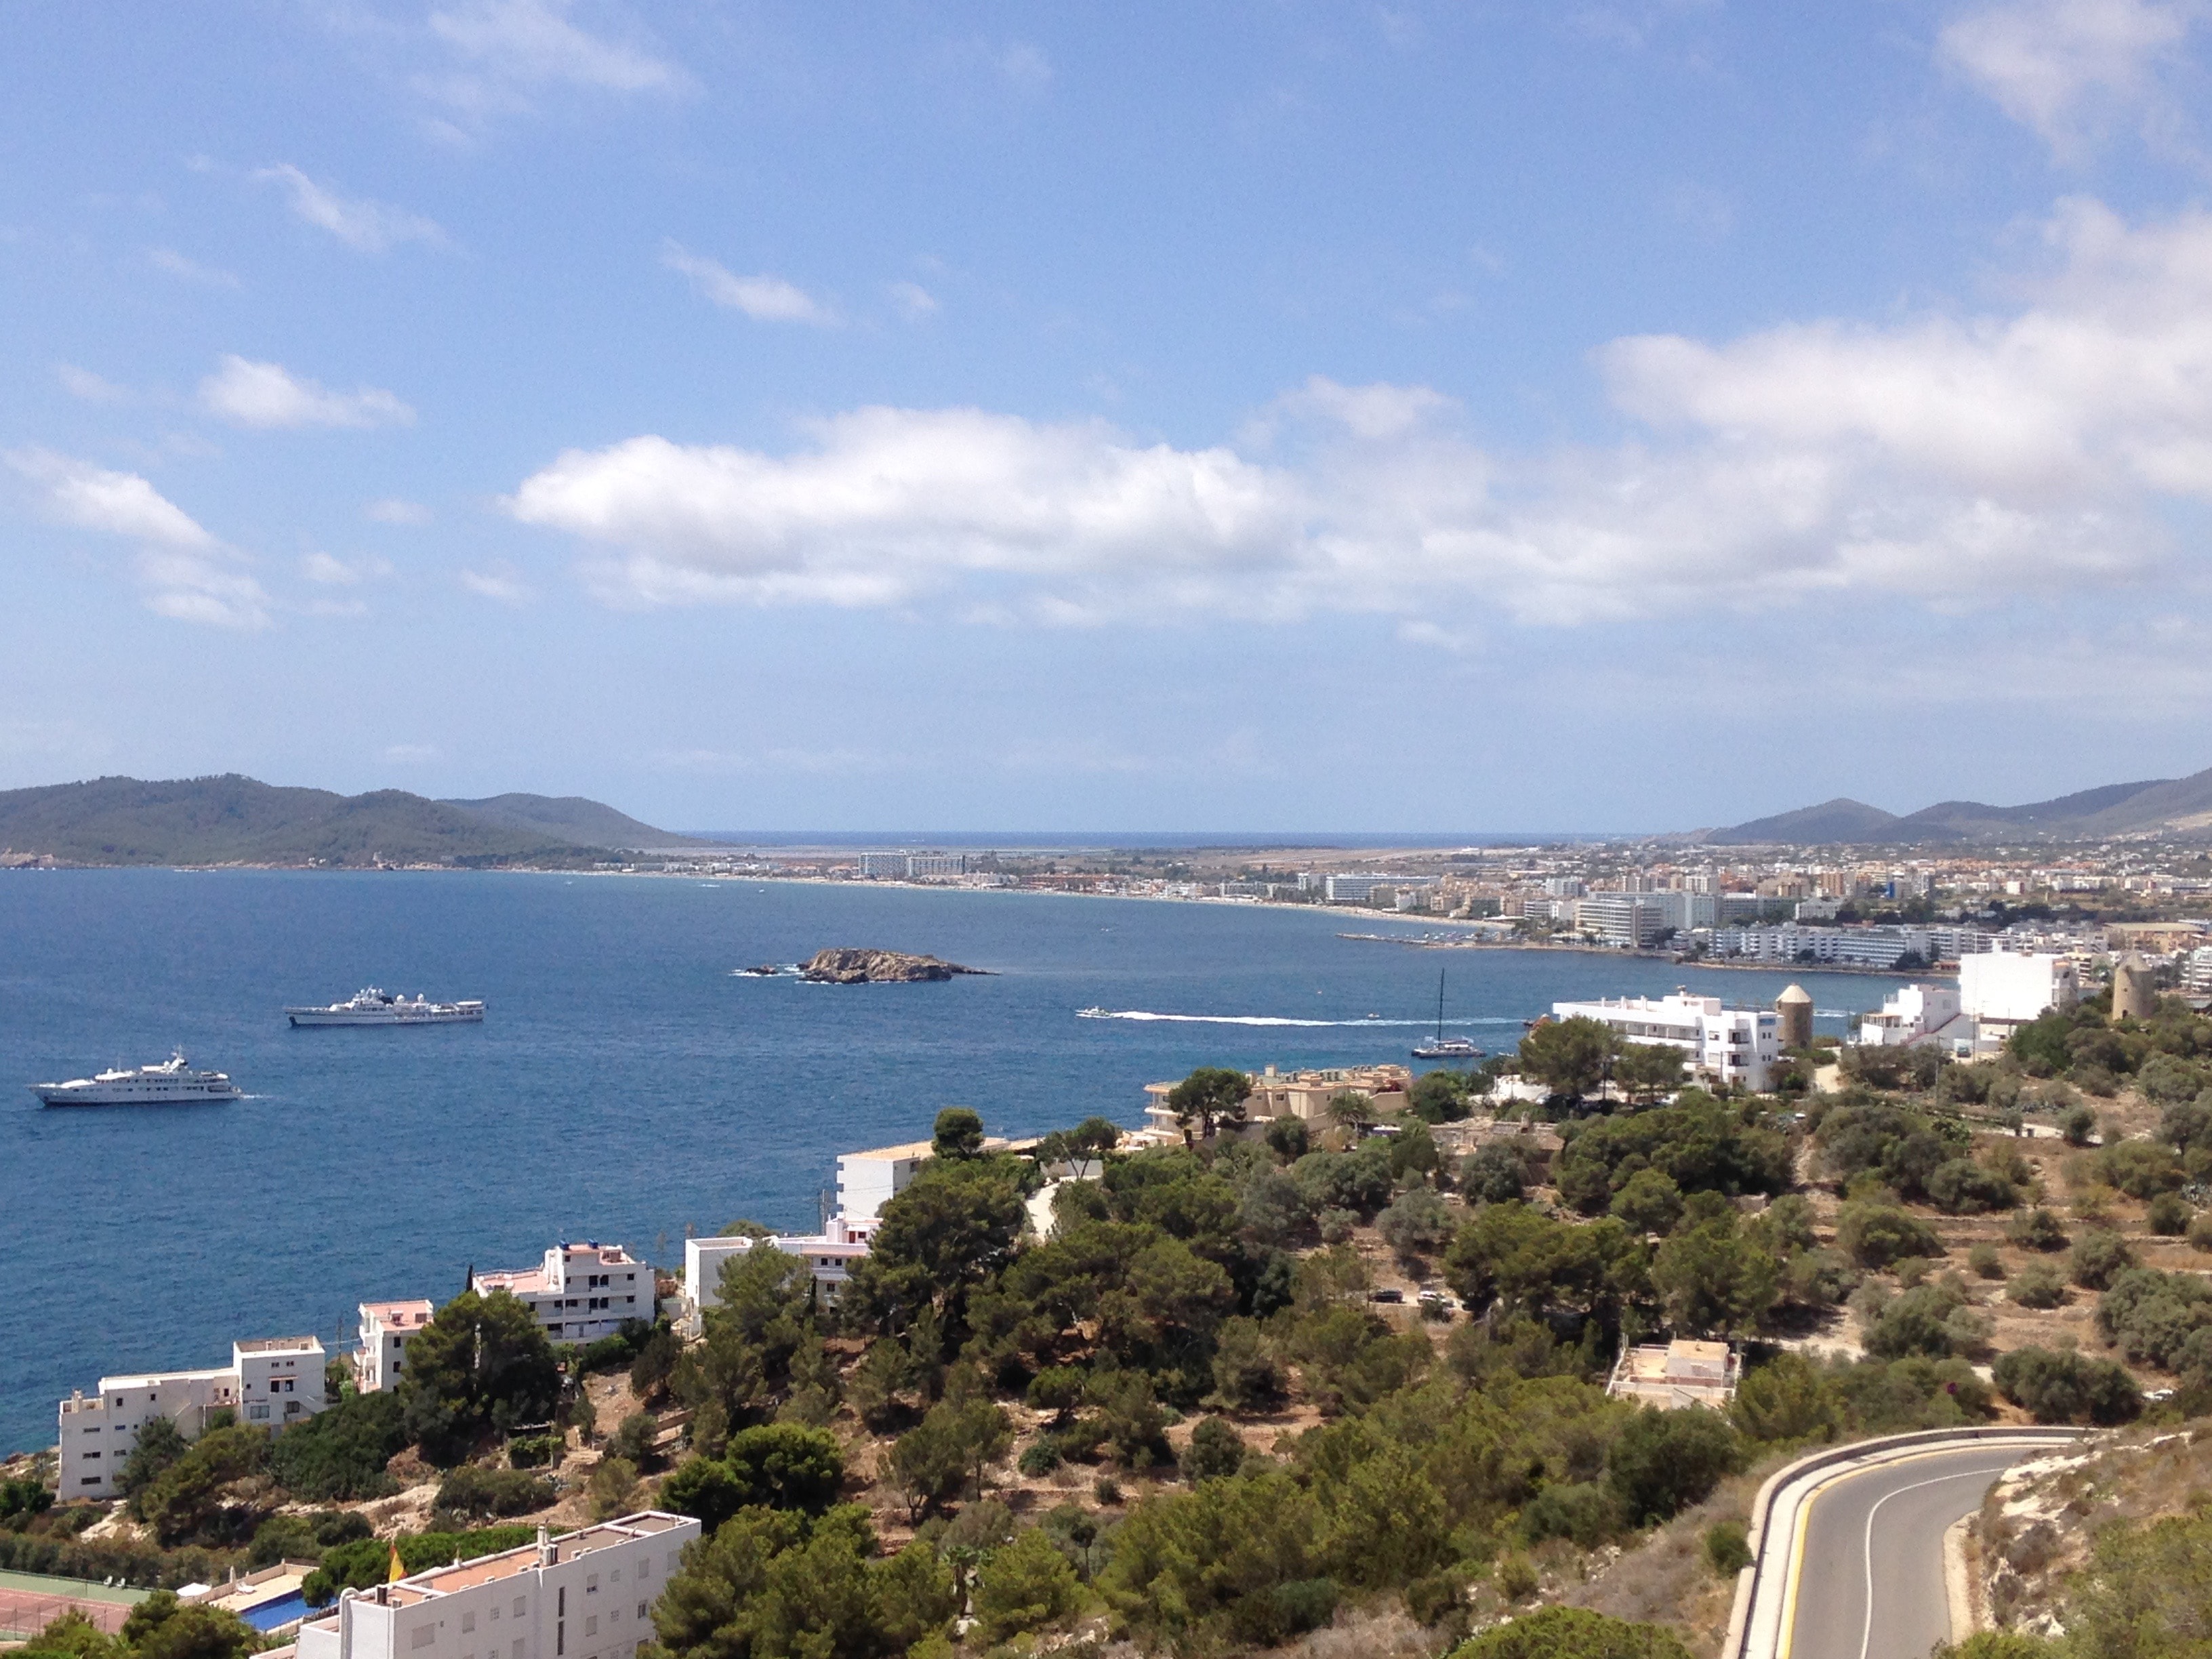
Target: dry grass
point(1666, 1579)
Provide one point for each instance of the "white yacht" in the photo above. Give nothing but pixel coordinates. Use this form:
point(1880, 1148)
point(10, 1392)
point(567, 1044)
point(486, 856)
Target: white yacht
point(172, 1083)
point(374, 1007)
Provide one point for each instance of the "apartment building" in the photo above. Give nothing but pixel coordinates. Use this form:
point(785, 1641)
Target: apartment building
point(1916, 1014)
point(1722, 1044)
point(2000, 991)
point(269, 1382)
point(384, 1329)
point(580, 1292)
point(587, 1595)
point(829, 1255)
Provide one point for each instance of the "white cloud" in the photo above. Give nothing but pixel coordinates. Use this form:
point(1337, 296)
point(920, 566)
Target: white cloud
point(368, 227)
point(190, 270)
point(914, 301)
point(186, 572)
point(88, 387)
point(1953, 461)
point(269, 395)
point(498, 583)
point(511, 43)
point(764, 299)
point(393, 510)
point(328, 570)
point(2054, 64)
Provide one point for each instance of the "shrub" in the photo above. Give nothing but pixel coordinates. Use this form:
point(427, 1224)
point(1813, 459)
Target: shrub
point(1584, 1513)
point(1216, 1450)
point(2064, 1387)
point(470, 1493)
point(1665, 1460)
point(2169, 1215)
point(1985, 1261)
point(1023, 1586)
point(2200, 1233)
point(2037, 1230)
point(1961, 1187)
point(1728, 1547)
point(613, 1485)
point(1649, 1202)
point(2141, 1168)
point(1516, 1582)
point(2038, 1284)
point(1039, 1457)
point(339, 1454)
point(2098, 1257)
point(531, 1451)
point(2156, 1317)
point(1571, 1633)
point(2076, 1125)
point(1874, 1235)
point(1492, 1174)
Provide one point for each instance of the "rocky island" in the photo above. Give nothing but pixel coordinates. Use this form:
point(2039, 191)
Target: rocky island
point(850, 967)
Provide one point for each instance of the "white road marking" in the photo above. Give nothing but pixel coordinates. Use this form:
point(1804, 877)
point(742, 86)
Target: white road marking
point(1866, 1640)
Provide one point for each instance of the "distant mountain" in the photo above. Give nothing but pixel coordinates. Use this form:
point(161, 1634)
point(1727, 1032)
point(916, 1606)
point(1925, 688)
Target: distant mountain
point(571, 818)
point(2174, 806)
point(237, 820)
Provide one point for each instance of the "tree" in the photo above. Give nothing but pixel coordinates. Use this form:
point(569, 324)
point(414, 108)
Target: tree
point(1648, 1070)
point(1492, 1174)
point(1784, 1400)
point(1876, 1235)
point(1025, 1585)
point(1351, 1108)
point(1416, 1223)
point(1714, 1279)
point(160, 1444)
point(482, 1363)
point(784, 1467)
point(159, 1628)
point(1665, 1462)
point(1569, 1056)
point(948, 1452)
point(656, 1360)
point(1439, 1096)
point(952, 1228)
point(613, 1488)
point(2064, 1387)
point(1216, 1450)
point(1649, 1202)
point(958, 1134)
point(339, 1454)
point(1210, 1095)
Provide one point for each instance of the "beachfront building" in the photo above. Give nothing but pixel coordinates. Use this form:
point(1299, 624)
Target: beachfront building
point(384, 1330)
point(1926, 1014)
point(1303, 1094)
point(580, 1292)
point(587, 1595)
point(268, 1383)
point(1679, 1373)
point(1720, 1044)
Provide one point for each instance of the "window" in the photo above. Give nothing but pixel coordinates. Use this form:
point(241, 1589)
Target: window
point(468, 1624)
point(421, 1636)
point(258, 1413)
point(640, 1609)
point(591, 1585)
point(560, 1602)
point(91, 1457)
point(560, 1639)
point(495, 1613)
point(518, 1651)
point(89, 1481)
point(592, 1626)
point(518, 1606)
point(615, 1577)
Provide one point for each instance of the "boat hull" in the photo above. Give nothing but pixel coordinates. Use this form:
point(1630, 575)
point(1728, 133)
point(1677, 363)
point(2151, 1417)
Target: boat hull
point(463, 1014)
point(64, 1095)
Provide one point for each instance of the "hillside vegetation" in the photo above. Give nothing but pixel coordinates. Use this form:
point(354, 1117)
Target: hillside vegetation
point(237, 820)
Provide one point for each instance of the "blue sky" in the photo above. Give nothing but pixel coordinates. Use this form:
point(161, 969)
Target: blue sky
point(1480, 417)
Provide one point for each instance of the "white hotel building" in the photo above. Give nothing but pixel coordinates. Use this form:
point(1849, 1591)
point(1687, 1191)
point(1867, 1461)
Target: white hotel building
point(1722, 1044)
point(268, 1383)
point(587, 1595)
point(581, 1292)
point(384, 1328)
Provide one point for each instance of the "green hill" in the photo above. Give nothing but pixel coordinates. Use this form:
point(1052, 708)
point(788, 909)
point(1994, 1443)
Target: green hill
point(237, 820)
point(570, 818)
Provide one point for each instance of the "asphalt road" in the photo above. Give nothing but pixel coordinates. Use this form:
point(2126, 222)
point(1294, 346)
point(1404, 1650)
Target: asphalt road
point(1882, 1531)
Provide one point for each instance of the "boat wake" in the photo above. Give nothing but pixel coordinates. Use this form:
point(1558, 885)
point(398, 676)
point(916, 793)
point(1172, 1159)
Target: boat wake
point(1270, 1020)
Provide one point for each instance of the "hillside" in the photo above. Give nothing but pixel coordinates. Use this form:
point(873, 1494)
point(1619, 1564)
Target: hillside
point(570, 818)
point(2177, 805)
point(238, 820)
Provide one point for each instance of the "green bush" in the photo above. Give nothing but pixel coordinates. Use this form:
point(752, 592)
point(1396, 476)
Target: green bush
point(1664, 1462)
point(2037, 1230)
point(1985, 1261)
point(1216, 1450)
point(1728, 1547)
point(533, 1451)
point(1572, 1633)
point(2064, 1387)
point(1875, 1235)
point(2098, 1257)
point(2037, 1285)
point(2169, 1215)
point(1038, 1458)
point(470, 1493)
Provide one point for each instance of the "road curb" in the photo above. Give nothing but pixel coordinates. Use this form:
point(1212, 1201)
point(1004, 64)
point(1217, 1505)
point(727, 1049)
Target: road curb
point(1782, 1500)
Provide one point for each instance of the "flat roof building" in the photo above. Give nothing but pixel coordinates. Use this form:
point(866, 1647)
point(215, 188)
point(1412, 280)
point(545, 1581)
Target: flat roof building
point(1681, 1373)
point(580, 1292)
point(1720, 1044)
point(269, 1382)
point(384, 1330)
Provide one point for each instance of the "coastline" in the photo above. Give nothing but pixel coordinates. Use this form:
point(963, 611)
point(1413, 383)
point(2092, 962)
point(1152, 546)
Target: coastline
point(1730, 964)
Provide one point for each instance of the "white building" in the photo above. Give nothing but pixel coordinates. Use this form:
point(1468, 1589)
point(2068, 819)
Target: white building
point(587, 1595)
point(1632, 919)
point(1679, 1373)
point(1360, 890)
point(268, 1383)
point(2000, 991)
point(829, 1254)
point(384, 1328)
point(1722, 1044)
point(1917, 1013)
point(581, 1292)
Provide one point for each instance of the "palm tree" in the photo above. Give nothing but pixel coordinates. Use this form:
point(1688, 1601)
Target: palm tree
point(1352, 1110)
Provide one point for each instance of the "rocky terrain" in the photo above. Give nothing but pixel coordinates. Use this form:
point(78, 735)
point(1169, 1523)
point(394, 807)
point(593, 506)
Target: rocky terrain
point(855, 967)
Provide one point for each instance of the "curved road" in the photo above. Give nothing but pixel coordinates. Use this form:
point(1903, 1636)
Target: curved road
point(1877, 1538)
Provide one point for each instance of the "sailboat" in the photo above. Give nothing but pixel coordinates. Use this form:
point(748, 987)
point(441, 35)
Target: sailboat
point(1442, 1046)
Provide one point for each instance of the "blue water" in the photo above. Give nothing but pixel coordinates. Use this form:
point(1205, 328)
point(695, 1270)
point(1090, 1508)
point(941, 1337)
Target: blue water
point(275, 1615)
point(625, 1086)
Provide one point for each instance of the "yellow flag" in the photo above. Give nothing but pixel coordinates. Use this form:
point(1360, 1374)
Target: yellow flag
point(399, 1567)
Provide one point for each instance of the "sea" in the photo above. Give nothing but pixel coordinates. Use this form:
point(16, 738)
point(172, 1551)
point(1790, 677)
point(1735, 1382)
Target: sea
point(629, 1084)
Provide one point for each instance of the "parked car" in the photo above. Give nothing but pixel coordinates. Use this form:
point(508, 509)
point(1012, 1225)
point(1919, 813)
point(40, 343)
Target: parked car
point(1387, 1293)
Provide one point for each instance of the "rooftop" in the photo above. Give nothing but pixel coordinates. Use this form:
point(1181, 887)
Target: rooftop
point(418, 1312)
point(281, 1345)
point(509, 1563)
